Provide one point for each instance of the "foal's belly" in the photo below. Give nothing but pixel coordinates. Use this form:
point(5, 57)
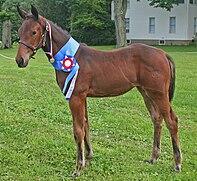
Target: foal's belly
point(112, 75)
point(111, 85)
point(107, 93)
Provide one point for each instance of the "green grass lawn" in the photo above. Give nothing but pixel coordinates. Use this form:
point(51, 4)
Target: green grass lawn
point(36, 139)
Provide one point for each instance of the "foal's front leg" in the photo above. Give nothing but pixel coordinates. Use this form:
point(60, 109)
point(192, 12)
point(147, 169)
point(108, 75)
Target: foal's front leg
point(77, 106)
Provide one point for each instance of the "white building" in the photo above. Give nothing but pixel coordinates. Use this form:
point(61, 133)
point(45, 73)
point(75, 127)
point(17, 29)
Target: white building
point(150, 25)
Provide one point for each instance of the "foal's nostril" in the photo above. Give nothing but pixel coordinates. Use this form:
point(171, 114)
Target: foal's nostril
point(21, 62)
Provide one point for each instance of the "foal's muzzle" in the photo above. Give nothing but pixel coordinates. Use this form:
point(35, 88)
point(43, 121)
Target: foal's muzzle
point(20, 62)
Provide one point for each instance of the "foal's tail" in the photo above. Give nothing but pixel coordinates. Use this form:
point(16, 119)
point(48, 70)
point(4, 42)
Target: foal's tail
point(172, 77)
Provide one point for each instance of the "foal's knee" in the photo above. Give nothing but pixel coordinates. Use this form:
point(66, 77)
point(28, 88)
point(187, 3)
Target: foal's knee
point(156, 117)
point(79, 135)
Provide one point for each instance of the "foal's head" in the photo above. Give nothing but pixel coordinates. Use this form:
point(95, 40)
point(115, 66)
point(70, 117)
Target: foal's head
point(31, 35)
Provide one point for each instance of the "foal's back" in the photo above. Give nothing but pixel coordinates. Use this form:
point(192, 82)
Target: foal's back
point(117, 71)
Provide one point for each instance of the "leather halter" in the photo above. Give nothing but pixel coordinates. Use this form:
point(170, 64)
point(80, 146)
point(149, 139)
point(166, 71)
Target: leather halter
point(42, 41)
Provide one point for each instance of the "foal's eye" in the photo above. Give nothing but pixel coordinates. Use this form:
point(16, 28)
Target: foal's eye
point(34, 33)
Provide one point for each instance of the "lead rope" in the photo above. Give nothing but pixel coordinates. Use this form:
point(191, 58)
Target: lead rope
point(9, 58)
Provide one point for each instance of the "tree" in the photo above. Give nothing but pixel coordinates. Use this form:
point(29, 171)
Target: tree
point(6, 34)
point(120, 8)
point(3, 16)
point(8, 12)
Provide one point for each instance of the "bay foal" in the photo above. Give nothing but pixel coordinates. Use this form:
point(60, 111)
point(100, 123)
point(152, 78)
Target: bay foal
point(102, 74)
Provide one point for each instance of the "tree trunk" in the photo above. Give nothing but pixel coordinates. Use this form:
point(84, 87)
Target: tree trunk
point(6, 34)
point(120, 8)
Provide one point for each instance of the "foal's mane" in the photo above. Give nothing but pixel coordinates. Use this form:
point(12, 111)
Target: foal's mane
point(58, 27)
point(65, 32)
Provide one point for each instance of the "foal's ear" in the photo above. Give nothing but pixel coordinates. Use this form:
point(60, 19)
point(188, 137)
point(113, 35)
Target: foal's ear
point(21, 12)
point(34, 12)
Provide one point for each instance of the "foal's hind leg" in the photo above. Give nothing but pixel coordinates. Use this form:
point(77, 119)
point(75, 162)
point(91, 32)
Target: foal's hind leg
point(87, 137)
point(172, 125)
point(171, 121)
point(157, 121)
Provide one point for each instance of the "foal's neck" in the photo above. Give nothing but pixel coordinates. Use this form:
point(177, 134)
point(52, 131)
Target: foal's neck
point(59, 38)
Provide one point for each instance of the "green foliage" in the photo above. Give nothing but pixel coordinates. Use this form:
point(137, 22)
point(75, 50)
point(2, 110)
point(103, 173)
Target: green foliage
point(9, 11)
point(3, 16)
point(166, 4)
point(36, 138)
point(57, 11)
point(93, 24)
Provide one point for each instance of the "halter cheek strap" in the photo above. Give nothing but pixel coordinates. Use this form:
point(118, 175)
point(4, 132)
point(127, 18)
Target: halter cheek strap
point(29, 46)
point(42, 41)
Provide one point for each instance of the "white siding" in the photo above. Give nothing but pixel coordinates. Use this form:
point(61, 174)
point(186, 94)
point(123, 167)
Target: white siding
point(139, 14)
point(192, 12)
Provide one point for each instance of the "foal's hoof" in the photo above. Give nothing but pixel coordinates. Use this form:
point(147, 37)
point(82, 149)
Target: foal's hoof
point(151, 161)
point(88, 162)
point(177, 168)
point(88, 159)
point(75, 174)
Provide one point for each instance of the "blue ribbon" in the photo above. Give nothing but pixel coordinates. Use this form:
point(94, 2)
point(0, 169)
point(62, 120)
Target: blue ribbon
point(69, 77)
point(69, 49)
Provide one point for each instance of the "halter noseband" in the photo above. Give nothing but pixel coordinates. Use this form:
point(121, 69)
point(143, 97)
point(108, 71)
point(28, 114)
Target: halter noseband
point(42, 41)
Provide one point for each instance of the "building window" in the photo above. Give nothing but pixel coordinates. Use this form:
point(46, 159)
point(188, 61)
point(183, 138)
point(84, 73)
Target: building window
point(162, 42)
point(195, 23)
point(128, 4)
point(172, 28)
point(152, 25)
point(127, 24)
point(193, 1)
point(181, 1)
